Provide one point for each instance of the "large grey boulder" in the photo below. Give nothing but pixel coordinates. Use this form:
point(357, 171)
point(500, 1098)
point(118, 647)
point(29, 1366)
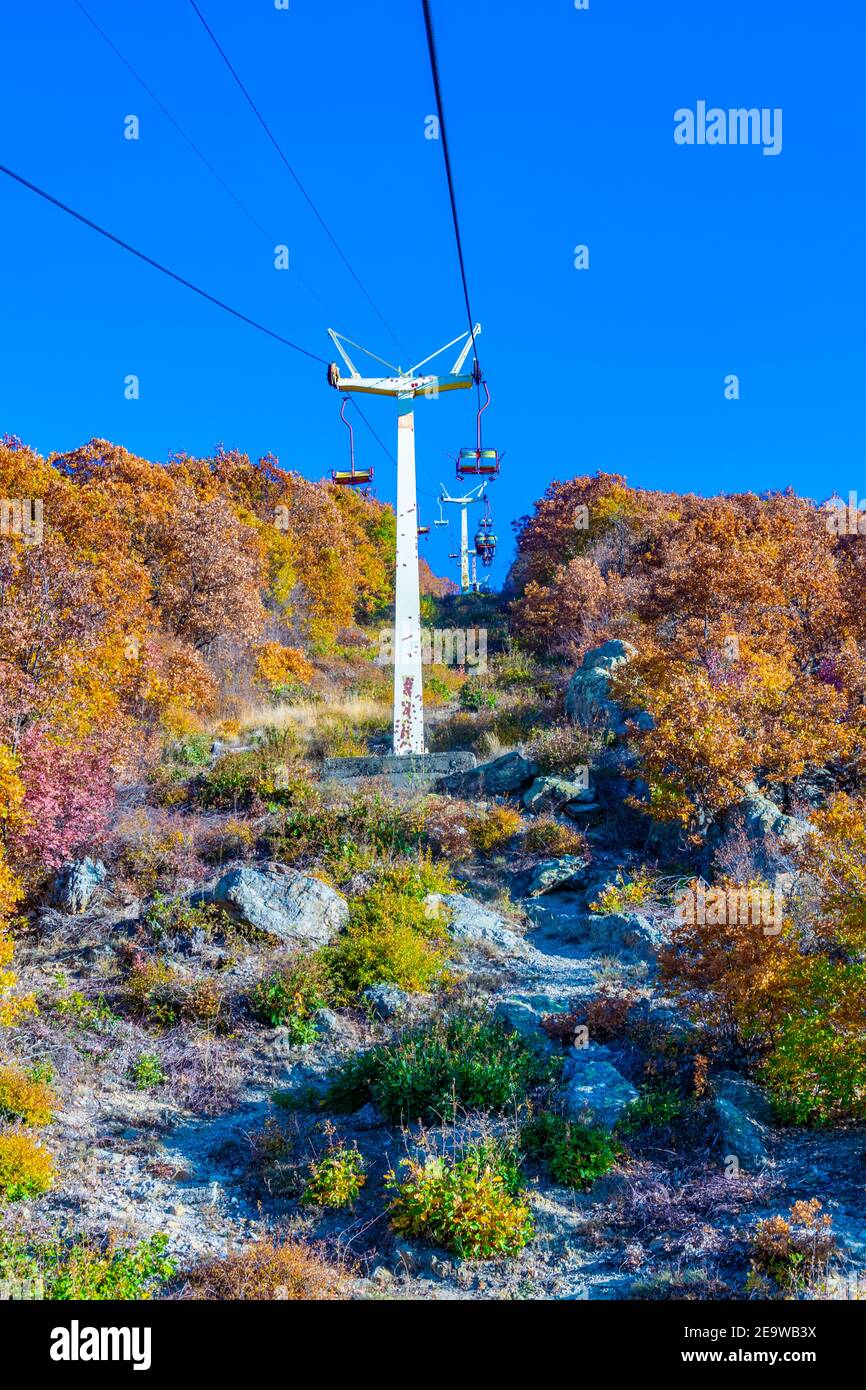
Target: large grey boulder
point(281, 902)
point(471, 921)
point(556, 873)
point(763, 818)
point(77, 884)
point(499, 777)
point(746, 1095)
point(552, 793)
point(742, 1137)
point(587, 700)
point(743, 1114)
point(770, 834)
point(593, 1090)
point(625, 933)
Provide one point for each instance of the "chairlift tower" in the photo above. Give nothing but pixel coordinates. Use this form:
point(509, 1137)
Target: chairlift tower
point(464, 503)
point(406, 386)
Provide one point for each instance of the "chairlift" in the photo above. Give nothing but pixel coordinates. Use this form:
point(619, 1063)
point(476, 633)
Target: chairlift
point(485, 537)
point(351, 477)
point(479, 462)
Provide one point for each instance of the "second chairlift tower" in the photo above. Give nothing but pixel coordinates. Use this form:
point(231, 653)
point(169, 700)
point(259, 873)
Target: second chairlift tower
point(406, 385)
point(464, 503)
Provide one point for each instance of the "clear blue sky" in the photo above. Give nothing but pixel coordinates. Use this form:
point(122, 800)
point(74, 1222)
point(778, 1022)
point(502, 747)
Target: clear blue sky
point(704, 261)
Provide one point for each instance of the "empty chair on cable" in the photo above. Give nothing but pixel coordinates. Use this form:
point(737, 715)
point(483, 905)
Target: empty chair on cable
point(351, 477)
point(479, 462)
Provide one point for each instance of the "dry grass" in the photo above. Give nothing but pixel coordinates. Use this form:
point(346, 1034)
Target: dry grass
point(285, 1270)
point(309, 718)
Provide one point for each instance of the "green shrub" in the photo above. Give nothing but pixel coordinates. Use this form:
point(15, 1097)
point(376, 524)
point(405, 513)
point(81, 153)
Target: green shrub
point(335, 1180)
point(470, 1205)
point(476, 695)
point(816, 1072)
point(86, 1013)
point(232, 781)
point(468, 1061)
point(575, 1154)
point(193, 750)
point(331, 834)
point(178, 916)
point(392, 937)
point(147, 1071)
point(26, 1169)
point(83, 1269)
point(514, 670)
point(291, 996)
point(657, 1107)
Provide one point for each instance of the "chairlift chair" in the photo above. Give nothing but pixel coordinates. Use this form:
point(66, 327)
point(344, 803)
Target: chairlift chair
point(485, 538)
point(479, 462)
point(351, 477)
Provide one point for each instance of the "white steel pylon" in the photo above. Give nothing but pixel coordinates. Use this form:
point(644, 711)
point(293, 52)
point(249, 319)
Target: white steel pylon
point(406, 385)
point(464, 503)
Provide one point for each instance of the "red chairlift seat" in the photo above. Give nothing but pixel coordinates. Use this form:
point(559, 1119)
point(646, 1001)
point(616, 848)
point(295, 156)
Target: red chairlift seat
point(474, 463)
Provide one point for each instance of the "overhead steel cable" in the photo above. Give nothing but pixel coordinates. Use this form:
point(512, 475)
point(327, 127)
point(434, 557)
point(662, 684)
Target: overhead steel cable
point(195, 148)
point(273, 139)
point(169, 117)
point(157, 265)
point(437, 89)
point(385, 450)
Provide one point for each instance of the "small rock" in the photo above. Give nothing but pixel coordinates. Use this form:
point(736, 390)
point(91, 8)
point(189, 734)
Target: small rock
point(593, 1089)
point(552, 793)
point(625, 933)
point(382, 1275)
point(368, 1117)
point(77, 884)
point(386, 1001)
point(406, 1258)
point(556, 873)
point(746, 1095)
point(763, 817)
point(523, 1014)
point(502, 775)
point(329, 1023)
point(472, 921)
point(206, 1194)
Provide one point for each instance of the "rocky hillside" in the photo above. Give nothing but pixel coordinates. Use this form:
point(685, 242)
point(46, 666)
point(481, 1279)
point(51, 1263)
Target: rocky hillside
point(581, 1021)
